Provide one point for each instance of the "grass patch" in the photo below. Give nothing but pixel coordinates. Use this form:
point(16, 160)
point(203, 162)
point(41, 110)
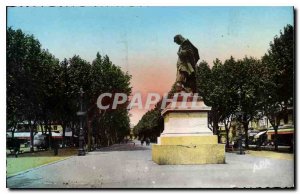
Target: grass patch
point(27, 161)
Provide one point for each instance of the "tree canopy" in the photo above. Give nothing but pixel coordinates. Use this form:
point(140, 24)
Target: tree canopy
point(43, 90)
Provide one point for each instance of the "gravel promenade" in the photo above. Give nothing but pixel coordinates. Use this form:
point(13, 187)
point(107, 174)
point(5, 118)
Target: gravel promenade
point(130, 166)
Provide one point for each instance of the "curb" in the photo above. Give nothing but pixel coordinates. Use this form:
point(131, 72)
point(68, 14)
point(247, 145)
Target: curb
point(22, 172)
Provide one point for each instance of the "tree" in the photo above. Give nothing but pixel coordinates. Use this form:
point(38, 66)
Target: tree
point(151, 124)
point(26, 65)
point(113, 124)
point(219, 88)
point(16, 53)
point(278, 78)
point(40, 90)
point(66, 113)
point(50, 88)
point(248, 82)
point(205, 88)
point(228, 101)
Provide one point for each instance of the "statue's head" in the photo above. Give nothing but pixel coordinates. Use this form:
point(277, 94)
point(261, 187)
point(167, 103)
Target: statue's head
point(179, 39)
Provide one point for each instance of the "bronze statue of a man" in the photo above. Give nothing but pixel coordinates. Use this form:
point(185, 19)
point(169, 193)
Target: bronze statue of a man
point(186, 65)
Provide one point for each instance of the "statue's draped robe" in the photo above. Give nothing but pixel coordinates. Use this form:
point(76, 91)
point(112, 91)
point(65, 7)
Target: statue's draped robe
point(187, 58)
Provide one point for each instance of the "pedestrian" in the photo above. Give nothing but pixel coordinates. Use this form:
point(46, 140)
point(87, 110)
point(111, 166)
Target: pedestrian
point(16, 147)
point(142, 142)
point(147, 141)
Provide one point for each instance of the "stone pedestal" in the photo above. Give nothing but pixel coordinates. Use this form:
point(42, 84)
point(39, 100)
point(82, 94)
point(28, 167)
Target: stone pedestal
point(186, 138)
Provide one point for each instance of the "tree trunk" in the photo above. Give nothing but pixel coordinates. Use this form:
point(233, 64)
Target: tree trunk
point(13, 134)
point(276, 138)
point(42, 128)
point(227, 137)
point(13, 131)
point(96, 138)
point(245, 125)
point(50, 135)
point(215, 122)
point(275, 122)
point(89, 136)
point(31, 137)
point(216, 129)
point(64, 134)
point(215, 125)
point(73, 131)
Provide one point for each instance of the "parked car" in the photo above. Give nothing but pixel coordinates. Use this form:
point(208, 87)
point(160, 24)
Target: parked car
point(41, 141)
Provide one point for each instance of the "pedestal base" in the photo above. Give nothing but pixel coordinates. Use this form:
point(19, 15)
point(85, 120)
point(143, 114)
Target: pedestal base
point(189, 150)
point(186, 138)
point(180, 154)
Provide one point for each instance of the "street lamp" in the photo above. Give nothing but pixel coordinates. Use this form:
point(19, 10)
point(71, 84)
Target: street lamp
point(81, 113)
point(239, 116)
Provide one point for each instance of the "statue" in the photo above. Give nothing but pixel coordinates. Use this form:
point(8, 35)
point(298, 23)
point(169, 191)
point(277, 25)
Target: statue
point(186, 65)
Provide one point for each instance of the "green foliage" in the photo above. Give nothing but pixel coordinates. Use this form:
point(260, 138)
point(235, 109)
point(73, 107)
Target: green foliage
point(107, 77)
point(43, 90)
point(31, 78)
point(278, 80)
point(151, 124)
point(220, 85)
point(279, 62)
point(265, 85)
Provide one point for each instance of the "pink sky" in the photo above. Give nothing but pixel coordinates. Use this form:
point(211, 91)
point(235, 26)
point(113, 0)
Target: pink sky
point(148, 77)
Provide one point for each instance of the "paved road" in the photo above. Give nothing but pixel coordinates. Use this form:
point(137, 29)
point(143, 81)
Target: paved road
point(125, 166)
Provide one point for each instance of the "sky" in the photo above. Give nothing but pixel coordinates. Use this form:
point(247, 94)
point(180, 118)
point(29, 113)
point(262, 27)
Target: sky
point(140, 39)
